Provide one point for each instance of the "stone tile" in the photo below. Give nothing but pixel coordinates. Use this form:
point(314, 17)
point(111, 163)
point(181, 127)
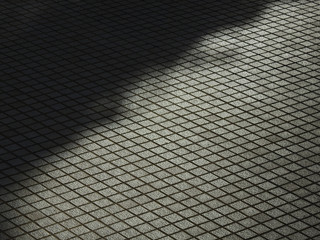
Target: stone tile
point(192, 120)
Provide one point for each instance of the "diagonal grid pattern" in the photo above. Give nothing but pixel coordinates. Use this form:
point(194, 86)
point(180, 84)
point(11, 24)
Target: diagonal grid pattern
point(186, 121)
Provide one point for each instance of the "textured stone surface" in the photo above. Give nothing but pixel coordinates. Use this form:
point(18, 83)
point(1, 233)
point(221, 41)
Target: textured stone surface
point(149, 120)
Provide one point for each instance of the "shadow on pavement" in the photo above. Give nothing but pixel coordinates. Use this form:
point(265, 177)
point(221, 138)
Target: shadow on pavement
point(59, 58)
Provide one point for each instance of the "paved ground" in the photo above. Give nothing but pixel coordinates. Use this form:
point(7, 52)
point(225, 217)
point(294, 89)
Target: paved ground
point(160, 120)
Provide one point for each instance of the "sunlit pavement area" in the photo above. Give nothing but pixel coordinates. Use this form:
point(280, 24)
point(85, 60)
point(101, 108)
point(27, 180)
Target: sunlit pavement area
point(160, 120)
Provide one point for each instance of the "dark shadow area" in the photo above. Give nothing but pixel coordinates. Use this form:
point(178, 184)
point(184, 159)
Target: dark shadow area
point(58, 58)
